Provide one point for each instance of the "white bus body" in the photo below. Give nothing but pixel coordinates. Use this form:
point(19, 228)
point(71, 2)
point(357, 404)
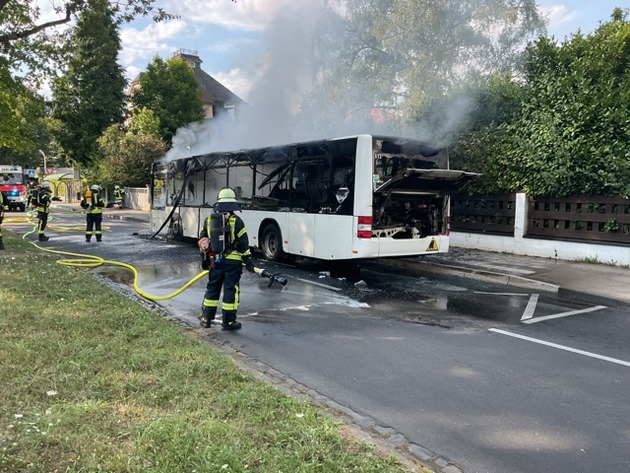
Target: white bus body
point(292, 196)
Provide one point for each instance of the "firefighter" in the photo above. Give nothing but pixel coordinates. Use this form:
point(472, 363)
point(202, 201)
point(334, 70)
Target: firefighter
point(224, 242)
point(93, 205)
point(1, 219)
point(42, 206)
point(119, 196)
point(31, 201)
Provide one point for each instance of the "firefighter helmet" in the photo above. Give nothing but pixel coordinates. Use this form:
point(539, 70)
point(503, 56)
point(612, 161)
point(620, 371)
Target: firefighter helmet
point(226, 201)
point(45, 185)
point(116, 187)
point(95, 188)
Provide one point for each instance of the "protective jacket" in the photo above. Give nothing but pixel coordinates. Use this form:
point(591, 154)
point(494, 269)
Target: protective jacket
point(92, 203)
point(236, 242)
point(118, 195)
point(32, 197)
point(43, 201)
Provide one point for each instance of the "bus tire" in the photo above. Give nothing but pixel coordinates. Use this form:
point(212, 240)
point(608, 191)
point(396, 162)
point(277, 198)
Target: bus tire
point(176, 228)
point(271, 243)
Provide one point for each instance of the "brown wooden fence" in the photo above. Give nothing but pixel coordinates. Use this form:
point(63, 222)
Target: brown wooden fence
point(600, 219)
point(586, 219)
point(489, 213)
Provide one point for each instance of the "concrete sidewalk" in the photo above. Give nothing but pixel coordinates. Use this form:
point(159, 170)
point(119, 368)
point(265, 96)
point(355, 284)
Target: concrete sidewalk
point(592, 283)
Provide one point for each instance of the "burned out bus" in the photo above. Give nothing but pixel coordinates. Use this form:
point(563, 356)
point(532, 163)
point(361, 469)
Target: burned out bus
point(347, 198)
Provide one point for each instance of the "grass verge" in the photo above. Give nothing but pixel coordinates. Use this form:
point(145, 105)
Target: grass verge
point(92, 381)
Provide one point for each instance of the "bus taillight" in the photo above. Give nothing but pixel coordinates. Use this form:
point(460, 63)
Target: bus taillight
point(364, 227)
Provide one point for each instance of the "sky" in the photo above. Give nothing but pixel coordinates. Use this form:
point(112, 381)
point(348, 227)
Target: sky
point(259, 50)
point(227, 35)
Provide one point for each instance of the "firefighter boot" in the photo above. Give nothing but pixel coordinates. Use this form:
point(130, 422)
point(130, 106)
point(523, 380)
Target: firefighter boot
point(229, 321)
point(43, 237)
point(1, 244)
point(207, 316)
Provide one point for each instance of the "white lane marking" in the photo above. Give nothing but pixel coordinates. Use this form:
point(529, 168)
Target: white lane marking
point(531, 307)
point(562, 347)
point(319, 284)
point(563, 314)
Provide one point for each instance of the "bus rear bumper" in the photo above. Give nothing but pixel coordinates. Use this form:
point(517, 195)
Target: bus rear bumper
point(389, 247)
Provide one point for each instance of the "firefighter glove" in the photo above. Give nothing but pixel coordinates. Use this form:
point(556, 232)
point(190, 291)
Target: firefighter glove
point(261, 272)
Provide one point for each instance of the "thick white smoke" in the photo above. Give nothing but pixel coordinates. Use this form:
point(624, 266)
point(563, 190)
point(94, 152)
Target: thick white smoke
point(276, 112)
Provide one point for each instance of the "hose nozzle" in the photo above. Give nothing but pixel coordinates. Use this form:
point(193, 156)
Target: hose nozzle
point(273, 277)
point(277, 278)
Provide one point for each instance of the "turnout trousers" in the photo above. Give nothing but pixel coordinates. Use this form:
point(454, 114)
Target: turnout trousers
point(42, 221)
point(226, 275)
point(93, 220)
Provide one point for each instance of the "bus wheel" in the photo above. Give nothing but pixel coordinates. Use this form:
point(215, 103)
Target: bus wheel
point(176, 229)
point(271, 243)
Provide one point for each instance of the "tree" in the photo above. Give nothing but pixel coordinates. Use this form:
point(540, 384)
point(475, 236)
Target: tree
point(89, 97)
point(32, 49)
point(21, 112)
point(400, 55)
point(170, 91)
point(128, 153)
point(571, 132)
point(484, 104)
point(27, 42)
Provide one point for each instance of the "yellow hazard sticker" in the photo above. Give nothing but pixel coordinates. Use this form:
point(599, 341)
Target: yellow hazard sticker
point(433, 245)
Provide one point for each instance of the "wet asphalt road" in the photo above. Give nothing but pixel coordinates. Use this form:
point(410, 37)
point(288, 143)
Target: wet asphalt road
point(434, 359)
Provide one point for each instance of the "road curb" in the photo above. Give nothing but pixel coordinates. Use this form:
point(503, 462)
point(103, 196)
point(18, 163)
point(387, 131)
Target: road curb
point(499, 278)
point(591, 298)
point(470, 273)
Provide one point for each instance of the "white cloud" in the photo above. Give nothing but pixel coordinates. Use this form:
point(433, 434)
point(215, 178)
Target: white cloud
point(248, 15)
point(560, 15)
point(561, 19)
point(236, 81)
point(144, 44)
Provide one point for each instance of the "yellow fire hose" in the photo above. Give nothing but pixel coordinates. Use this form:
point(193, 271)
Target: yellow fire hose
point(92, 261)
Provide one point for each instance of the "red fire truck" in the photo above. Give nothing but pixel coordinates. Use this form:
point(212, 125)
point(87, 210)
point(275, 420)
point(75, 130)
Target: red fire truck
point(13, 186)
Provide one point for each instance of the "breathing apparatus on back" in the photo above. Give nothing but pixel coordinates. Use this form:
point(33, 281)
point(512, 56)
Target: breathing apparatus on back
point(221, 240)
point(219, 234)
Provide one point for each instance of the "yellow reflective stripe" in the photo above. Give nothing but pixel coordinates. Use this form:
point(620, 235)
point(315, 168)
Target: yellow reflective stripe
point(233, 256)
point(241, 233)
point(210, 303)
point(232, 306)
point(232, 222)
